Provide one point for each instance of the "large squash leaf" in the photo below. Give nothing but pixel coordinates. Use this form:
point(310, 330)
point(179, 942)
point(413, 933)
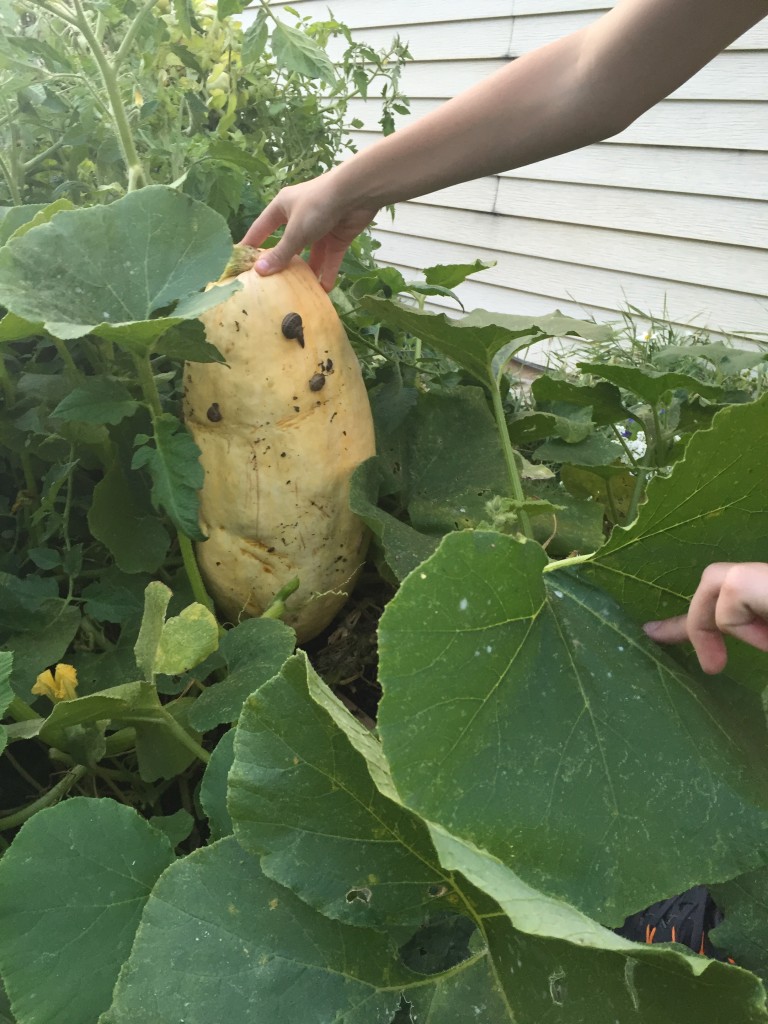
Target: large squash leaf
point(72, 888)
point(115, 270)
point(529, 715)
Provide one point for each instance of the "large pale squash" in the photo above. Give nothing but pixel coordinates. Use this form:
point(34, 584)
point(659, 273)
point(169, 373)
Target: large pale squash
point(281, 428)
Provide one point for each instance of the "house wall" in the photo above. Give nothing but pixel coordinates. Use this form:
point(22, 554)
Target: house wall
point(670, 216)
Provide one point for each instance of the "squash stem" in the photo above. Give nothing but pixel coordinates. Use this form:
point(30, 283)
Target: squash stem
point(193, 573)
point(509, 455)
point(53, 795)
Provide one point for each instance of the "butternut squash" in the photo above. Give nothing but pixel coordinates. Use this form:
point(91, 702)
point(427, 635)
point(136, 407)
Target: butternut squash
point(281, 428)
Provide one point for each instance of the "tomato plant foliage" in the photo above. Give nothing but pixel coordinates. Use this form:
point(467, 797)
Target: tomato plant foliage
point(205, 829)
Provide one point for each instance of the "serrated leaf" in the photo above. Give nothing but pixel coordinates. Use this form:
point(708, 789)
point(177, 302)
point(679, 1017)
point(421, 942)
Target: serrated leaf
point(255, 651)
point(107, 270)
point(176, 473)
point(300, 794)
point(543, 687)
point(295, 51)
point(187, 341)
point(707, 510)
point(72, 888)
point(126, 525)
point(97, 400)
point(452, 274)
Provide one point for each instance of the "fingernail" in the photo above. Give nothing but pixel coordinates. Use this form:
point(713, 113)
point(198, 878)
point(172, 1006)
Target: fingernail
point(651, 627)
point(265, 265)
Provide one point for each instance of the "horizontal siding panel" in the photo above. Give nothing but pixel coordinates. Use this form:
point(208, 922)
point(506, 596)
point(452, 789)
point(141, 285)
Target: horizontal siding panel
point(362, 14)
point(725, 267)
point(663, 169)
point(697, 125)
point(730, 221)
point(546, 285)
point(731, 76)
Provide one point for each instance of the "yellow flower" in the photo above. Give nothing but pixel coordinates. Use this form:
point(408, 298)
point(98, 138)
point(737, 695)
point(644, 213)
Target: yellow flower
point(61, 686)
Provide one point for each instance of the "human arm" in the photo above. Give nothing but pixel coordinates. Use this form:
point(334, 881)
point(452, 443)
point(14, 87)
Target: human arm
point(582, 88)
point(731, 599)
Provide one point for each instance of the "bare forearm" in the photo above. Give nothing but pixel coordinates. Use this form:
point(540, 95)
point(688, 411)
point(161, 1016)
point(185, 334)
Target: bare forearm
point(583, 88)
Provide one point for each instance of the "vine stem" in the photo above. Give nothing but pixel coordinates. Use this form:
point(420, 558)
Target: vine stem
point(152, 398)
point(509, 455)
point(193, 573)
point(53, 795)
point(137, 176)
point(181, 734)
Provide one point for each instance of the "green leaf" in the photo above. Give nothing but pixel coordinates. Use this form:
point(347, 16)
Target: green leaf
point(106, 270)
point(474, 340)
point(404, 548)
point(187, 341)
point(121, 517)
point(176, 473)
point(268, 957)
point(529, 425)
point(6, 693)
point(565, 741)
point(707, 510)
point(42, 216)
point(14, 217)
point(456, 462)
point(577, 526)
point(72, 889)
point(300, 794)
point(728, 360)
point(255, 651)
point(97, 400)
point(177, 826)
point(452, 274)
point(650, 385)
point(295, 51)
point(226, 8)
point(38, 649)
point(254, 42)
point(15, 328)
point(596, 450)
point(744, 933)
point(603, 399)
point(548, 962)
point(213, 788)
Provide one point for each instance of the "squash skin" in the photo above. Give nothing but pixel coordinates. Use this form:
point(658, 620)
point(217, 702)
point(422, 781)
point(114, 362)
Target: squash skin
point(280, 428)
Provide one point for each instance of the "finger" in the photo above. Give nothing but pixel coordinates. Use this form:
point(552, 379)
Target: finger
point(326, 259)
point(268, 221)
point(742, 606)
point(668, 631)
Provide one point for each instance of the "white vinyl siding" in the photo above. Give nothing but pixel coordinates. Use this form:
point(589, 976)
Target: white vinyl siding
point(670, 216)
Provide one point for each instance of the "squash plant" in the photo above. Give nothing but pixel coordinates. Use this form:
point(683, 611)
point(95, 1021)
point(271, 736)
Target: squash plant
point(198, 828)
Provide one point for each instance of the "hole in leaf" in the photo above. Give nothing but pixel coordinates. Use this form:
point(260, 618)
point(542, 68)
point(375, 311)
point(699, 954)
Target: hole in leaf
point(362, 895)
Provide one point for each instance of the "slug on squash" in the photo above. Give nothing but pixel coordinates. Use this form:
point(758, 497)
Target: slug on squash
point(281, 428)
